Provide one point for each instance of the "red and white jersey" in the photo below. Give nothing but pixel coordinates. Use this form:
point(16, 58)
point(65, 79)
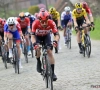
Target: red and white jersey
point(2, 26)
point(25, 23)
point(88, 10)
point(40, 31)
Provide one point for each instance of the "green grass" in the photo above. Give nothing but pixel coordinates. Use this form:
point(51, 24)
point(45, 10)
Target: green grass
point(96, 33)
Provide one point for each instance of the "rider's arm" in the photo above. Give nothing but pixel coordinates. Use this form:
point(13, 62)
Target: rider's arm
point(55, 31)
point(19, 29)
point(90, 15)
point(28, 26)
point(33, 32)
point(86, 18)
point(5, 32)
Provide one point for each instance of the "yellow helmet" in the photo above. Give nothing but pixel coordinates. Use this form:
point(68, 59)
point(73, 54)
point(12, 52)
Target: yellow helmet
point(52, 10)
point(22, 14)
point(78, 5)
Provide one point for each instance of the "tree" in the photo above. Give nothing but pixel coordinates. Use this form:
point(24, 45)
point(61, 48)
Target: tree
point(33, 9)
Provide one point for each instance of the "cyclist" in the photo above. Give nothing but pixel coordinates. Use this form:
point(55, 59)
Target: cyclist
point(41, 32)
point(55, 16)
point(66, 20)
point(79, 15)
point(25, 27)
point(88, 10)
point(12, 29)
point(31, 17)
point(1, 32)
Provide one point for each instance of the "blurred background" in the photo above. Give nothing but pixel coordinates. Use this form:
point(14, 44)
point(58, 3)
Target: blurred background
point(13, 7)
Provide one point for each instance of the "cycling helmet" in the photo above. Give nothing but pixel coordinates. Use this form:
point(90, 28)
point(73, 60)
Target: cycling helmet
point(43, 15)
point(84, 4)
point(52, 10)
point(0, 21)
point(22, 14)
point(67, 9)
point(78, 5)
point(42, 10)
point(27, 14)
point(11, 20)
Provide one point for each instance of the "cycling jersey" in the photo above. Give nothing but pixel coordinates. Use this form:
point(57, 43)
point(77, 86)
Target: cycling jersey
point(88, 10)
point(15, 31)
point(40, 31)
point(25, 23)
point(2, 27)
point(32, 18)
point(79, 16)
point(55, 15)
point(65, 18)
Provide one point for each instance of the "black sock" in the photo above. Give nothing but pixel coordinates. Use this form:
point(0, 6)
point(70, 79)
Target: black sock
point(38, 60)
point(52, 66)
point(79, 44)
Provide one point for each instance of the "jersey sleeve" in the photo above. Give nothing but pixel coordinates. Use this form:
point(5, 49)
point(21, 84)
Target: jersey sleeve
point(5, 28)
point(89, 12)
point(18, 27)
point(34, 26)
point(73, 14)
point(53, 27)
point(85, 14)
point(58, 15)
point(28, 21)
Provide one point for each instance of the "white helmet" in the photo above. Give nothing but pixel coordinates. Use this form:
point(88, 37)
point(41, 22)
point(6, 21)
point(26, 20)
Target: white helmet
point(11, 20)
point(27, 14)
point(67, 9)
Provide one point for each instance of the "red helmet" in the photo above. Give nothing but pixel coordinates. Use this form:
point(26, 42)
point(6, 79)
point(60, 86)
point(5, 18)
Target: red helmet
point(42, 10)
point(1, 21)
point(84, 4)
point(43, 15)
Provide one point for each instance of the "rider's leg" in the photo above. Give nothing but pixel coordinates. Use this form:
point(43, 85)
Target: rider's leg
point(19, 52)
point(28, 44)
point(50, 55)
point(10, 36)
point(0, 45)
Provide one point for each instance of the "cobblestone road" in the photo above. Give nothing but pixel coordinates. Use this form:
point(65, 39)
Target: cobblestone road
point(74, 72)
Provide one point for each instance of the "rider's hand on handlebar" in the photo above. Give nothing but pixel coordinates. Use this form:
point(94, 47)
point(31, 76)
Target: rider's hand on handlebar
point(55, 43)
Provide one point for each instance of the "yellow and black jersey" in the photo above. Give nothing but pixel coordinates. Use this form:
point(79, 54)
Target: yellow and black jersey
point(79, 15)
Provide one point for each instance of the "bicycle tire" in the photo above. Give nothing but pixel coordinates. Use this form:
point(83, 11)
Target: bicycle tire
point(5, 60)
point(88, 46)
point(49, 73)
point(32, 50)
point(16, 61)
point(25, 53)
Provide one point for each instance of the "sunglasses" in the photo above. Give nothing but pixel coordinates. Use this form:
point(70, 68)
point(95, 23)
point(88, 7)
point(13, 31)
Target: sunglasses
point(11, 25)
point(43, 21)
point(79, 8)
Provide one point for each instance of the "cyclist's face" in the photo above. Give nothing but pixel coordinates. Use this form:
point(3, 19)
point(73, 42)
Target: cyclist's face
point(44, 23)
point(11, 26)
point(79, 10)
point(67, 12)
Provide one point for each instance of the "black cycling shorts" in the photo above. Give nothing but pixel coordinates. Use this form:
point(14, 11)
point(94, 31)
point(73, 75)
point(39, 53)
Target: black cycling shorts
point(44, 40)
point(2, 34)
point(24, 30)
point(80, 21)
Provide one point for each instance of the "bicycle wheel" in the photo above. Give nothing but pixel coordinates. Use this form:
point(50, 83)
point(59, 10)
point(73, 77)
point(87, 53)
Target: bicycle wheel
point(44, 71)
point(16, 61)
point(25, 53)
point(88, 46)
point(49, 74)
point(32, 50)
point(5, 60)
